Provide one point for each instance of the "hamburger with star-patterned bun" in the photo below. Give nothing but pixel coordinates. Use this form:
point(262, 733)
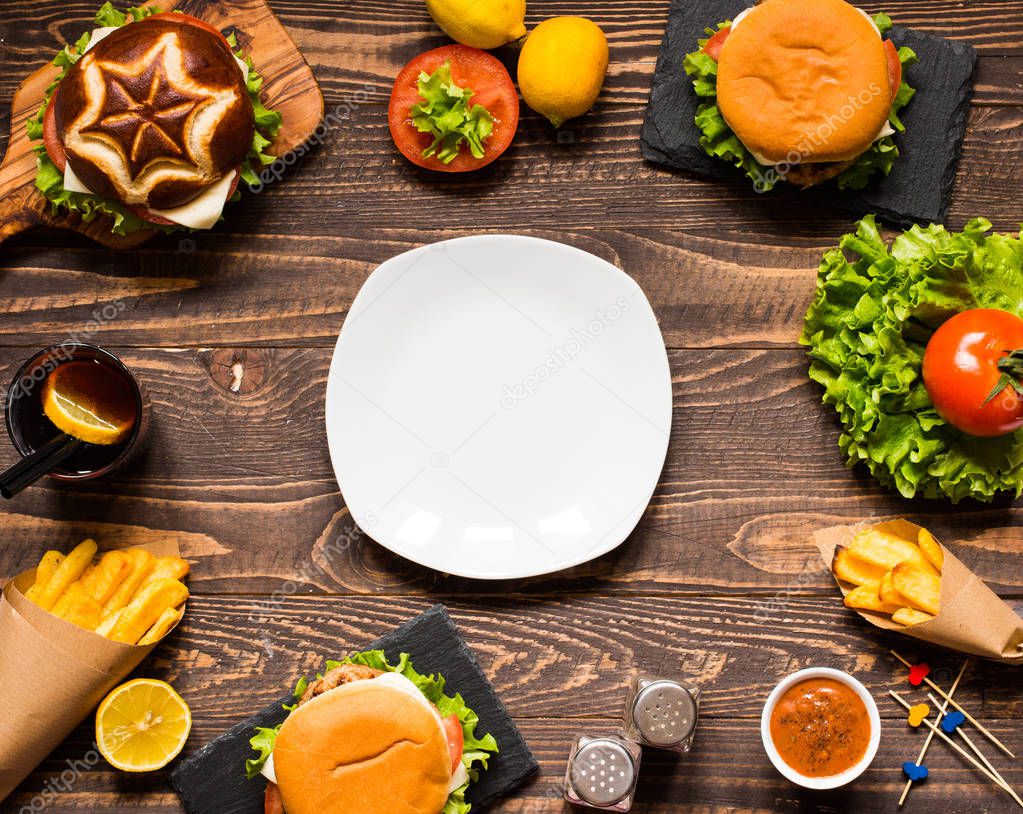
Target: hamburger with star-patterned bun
point(154, 120)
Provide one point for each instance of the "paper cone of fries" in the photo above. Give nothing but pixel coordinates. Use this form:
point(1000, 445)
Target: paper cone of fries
point(972, 618)
point(52, 675)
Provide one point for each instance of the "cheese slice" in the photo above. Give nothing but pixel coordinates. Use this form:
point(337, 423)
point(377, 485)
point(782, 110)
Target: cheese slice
point(204, 211)
point(200, 213)
point(268, 770)
point(99, 34)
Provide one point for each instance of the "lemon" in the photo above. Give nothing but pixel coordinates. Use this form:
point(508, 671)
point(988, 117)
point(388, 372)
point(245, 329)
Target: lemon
point(142, 725)
point(562, 67)
point(89, 402)
point(480, 23)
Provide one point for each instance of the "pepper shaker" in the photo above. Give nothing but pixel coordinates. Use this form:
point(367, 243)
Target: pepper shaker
point(602, 773)
point(662, 713)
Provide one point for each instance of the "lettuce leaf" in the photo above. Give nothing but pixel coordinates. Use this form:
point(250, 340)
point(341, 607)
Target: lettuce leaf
point(445, 113)
point(875, 309)
point(719, 140)
point(476, 751)
point(50, 181)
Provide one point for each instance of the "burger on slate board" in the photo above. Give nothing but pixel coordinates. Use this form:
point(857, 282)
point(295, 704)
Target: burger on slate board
point(153, 121)
point(802, 91)
point(370, 737)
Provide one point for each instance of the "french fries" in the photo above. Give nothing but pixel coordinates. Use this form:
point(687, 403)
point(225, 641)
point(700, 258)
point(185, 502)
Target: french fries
point(141, 565)
point(161, 628)
point(106, 576)
point(865, 597)
point(70, 570)
point(126, 596)
point(931, 550)
point(921, 587)
point(891, 575)
point(852, 569)
point(910, 617)
point(142, 612)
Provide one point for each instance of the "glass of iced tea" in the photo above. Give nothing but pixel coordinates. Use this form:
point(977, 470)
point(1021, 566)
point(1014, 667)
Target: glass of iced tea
point(84, 396)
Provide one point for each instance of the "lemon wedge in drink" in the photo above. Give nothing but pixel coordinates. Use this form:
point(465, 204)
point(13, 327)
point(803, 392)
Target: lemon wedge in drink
point(89, 402)
point(142, 725)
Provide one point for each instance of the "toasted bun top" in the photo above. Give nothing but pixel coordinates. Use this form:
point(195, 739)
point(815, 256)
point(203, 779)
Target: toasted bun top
point(364, 747)
point(804, 80)
point(155, 113)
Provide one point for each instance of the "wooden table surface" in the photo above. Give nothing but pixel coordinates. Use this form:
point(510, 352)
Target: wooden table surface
point(719, 584)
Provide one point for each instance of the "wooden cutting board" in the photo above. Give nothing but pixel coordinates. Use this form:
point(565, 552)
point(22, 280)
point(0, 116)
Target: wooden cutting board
point(289, 88)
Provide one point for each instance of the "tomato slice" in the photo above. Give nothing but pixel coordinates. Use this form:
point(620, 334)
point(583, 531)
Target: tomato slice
point(492, 87)
point(453, 730)
point(188, 19)
point(716, 43)
point(51, 140)
point(894, 67)
point(273, 803)
point(964, 365)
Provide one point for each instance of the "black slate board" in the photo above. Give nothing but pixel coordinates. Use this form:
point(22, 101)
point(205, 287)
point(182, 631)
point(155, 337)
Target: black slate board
point(213, 780)
point(920, 184)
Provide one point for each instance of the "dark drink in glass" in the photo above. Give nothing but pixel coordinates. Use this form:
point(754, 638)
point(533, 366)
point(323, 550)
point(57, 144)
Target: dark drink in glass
point(96, 377)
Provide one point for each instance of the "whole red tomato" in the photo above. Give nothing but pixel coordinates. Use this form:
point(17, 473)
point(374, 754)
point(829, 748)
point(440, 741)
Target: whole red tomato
point(971, 370)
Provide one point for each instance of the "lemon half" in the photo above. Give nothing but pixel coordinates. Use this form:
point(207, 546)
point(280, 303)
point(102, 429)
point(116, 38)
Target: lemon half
point(142, 725)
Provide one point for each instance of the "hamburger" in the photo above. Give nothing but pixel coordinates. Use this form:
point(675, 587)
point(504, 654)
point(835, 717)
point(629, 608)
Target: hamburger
point(154, 120)
point(374, 738)
point(802, 91)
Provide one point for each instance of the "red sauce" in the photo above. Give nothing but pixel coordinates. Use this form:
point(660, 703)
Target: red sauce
point(820, 727)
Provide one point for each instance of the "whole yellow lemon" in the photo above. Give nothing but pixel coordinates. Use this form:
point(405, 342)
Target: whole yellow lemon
point(480, 23)
point(562, 67)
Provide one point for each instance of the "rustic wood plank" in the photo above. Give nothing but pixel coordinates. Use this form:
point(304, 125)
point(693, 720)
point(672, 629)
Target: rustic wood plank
point(222, 290)
point(726, 773)
point(356, 186)
point(357, 55)
point(244, 483)
point(562, 669)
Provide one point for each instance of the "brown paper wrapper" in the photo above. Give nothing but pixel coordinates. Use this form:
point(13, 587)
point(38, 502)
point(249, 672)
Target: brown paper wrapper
point(52, 675)
point(973, 619)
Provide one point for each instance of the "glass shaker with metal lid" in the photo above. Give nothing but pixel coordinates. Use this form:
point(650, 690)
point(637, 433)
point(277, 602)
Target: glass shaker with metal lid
point(602, 773)
point(662, 713)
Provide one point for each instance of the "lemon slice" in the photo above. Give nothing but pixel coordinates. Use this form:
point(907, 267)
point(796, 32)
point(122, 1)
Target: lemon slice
point(142, 725)
point(89, 402)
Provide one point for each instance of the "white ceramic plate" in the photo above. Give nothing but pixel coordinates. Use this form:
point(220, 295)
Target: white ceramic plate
point(498, 406)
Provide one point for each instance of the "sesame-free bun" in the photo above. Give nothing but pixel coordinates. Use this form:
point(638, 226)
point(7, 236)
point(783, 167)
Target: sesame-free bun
point(363, 748)
point(804, 81)
point(155, 113)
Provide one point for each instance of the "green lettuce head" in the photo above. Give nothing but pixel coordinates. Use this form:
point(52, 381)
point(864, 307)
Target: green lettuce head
point(875, 310)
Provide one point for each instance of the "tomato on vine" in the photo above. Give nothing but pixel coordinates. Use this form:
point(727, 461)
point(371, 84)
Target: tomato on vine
point(973, 372)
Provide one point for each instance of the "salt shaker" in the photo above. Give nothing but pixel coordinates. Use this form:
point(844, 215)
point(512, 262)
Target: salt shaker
point(662, 713)
point(602, 773)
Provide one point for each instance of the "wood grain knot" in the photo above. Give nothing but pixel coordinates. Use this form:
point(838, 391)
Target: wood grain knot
point(240, 372)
